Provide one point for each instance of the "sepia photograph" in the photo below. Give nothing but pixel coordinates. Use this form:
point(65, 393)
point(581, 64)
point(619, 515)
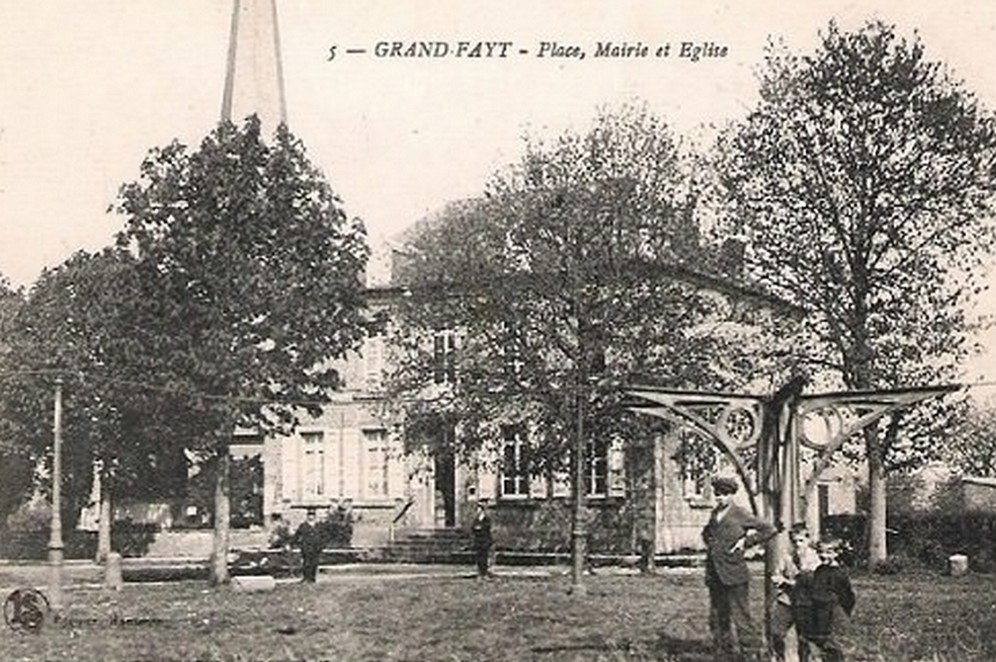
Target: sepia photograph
point(447, 330)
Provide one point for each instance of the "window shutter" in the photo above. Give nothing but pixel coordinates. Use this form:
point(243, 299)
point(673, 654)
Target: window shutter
point(373, 351)
point(351, 478)
point(617, 468)
point(561, 484)
point(486, 482)
point(289, 449)
point(487, 473)
point(398, 468)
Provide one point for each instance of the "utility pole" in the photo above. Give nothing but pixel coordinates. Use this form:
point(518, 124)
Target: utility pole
point(55, 541)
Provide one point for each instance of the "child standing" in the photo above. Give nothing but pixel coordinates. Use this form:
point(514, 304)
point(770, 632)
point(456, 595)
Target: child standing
point(792, 580)
point(833, 601)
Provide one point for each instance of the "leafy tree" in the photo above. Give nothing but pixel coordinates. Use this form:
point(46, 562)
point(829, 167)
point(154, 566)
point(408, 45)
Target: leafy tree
point(862, 181)
point(971, 447)
point(76, 326)
point(251, 275)
point(568, 278)
point(16, 468)
point(10, 302)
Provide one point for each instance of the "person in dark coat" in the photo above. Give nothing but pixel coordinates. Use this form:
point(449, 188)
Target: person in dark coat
point(309, 539)
point(480, 531)
point(832, 602)
point(730, 531)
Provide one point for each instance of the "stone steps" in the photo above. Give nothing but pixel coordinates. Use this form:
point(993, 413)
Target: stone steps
point(444, 545)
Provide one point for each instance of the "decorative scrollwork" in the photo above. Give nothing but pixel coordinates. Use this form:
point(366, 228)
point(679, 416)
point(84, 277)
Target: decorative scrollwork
point(820, 427)
point(740, 425)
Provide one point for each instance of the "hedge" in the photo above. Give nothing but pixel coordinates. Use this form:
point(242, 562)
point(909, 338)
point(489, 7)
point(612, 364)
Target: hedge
point(31, 541)
point(923, 539)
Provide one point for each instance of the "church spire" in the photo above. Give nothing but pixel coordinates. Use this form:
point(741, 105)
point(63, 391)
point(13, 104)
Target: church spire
point(254, 79)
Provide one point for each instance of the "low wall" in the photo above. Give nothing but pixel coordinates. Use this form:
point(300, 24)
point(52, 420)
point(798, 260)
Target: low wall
point(197, 543)
point(545, 525)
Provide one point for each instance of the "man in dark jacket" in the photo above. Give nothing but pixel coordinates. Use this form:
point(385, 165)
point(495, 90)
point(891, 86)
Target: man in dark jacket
point(480, 531)
point(730, 531)
point(310, 540)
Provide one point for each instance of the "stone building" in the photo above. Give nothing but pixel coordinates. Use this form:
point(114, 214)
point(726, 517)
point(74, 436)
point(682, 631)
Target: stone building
point(637, 490)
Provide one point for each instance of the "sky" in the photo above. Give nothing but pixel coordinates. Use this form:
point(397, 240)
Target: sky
point(87, 88)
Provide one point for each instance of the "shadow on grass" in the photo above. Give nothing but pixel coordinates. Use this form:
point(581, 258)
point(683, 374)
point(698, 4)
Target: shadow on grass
point(670, 647)
point(665, 647)
point(599, 650)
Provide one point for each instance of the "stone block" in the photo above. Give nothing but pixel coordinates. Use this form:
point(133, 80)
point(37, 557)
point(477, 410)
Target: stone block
point(112, 571)
point(254, 584)
point(957, 565)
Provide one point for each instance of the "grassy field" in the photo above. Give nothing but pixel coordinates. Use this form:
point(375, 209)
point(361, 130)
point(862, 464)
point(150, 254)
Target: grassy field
point(380, 617)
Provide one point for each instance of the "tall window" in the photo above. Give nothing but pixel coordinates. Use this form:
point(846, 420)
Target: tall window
point(596, 474)
point(373, 362)
point(515, 462)
point(444, 357)
point(377, 465)
point(697, 462)
point(314, 464)
point(513, 343)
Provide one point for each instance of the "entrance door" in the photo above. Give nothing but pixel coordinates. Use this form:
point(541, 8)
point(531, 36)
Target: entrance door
point(445, 474)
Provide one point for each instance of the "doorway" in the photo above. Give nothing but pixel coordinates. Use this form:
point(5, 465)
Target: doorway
point(445, 475)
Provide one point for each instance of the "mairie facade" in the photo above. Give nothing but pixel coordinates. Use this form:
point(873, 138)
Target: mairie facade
point(639, 492)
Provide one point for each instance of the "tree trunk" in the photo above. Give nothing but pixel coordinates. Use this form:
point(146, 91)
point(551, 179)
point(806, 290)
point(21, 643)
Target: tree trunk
point(877, 547)
point(104, 523)
point(877, 483)
point(222, 514)
point(578, 531)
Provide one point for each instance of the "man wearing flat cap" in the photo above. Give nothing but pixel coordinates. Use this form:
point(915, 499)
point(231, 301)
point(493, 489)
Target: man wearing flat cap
point(730, 531)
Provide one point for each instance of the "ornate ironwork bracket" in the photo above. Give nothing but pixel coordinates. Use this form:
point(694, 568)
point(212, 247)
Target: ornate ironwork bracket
point(827, 420)
point(732, 422)
point(775, 426)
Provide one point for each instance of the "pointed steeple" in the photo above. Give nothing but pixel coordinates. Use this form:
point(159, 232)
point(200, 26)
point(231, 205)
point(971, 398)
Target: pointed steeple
point(254, 78)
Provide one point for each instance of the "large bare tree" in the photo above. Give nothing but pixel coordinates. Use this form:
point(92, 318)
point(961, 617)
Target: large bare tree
point(863, 181)
point(579, 270)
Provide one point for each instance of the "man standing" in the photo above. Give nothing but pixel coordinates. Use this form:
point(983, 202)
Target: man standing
point(480, 531)
point(730, 531)
point(309, 539)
